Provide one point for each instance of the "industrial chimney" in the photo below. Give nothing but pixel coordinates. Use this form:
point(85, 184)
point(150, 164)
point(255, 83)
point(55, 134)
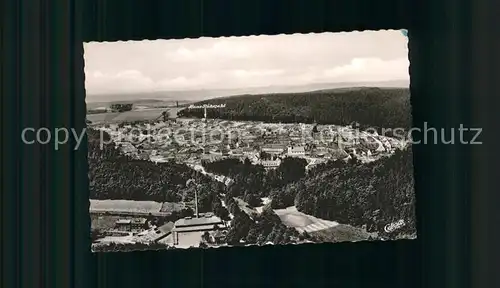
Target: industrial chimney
point(196, 201)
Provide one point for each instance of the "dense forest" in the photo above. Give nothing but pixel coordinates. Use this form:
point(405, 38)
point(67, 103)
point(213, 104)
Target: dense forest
point(369, 195)
point(370, 107)
point(262, 228)
point(113, 175)
point(251, 182)
point(360, 194)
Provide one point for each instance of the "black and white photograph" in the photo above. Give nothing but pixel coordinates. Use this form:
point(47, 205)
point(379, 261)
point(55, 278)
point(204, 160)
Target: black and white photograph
point(254, 140)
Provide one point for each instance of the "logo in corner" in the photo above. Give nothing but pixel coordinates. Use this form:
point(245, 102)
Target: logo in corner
point(391, 227)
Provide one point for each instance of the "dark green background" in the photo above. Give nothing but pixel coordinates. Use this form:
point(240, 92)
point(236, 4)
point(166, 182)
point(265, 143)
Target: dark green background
point(44, 208)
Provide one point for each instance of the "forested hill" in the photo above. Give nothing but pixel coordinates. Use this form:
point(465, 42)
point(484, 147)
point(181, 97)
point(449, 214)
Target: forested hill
point(373, 107)
point(373, 194)
point(116, 176)
point(360, 194)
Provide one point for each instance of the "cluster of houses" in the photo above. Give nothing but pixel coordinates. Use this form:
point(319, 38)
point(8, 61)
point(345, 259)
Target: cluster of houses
point(197, 140)
point(184, 232)
point(131, 225)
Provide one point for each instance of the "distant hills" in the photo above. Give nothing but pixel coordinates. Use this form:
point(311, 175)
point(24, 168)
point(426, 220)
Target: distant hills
point(204, 94)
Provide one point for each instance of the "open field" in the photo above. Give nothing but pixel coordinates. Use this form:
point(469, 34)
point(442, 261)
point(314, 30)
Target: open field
point(169, 207)
point(323, 230)
point(302, 222)
point(102, 117)
point(291, 217)
point(135, 115)
point(107, 104)
point(125, 206)
point(147, 103)
point(117, 239)
point(341, 233)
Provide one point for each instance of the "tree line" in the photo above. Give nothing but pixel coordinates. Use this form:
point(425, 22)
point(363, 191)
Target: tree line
point(370, 195)
point(113, 175)
point(360, 194)
point(251, 182)
point(370, 107)
point(260, 229)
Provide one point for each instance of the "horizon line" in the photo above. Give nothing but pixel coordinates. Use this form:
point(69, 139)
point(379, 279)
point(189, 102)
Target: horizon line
point(365, 84)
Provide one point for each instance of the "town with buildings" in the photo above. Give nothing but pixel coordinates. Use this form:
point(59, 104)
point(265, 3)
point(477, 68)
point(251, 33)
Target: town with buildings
point(193, 140)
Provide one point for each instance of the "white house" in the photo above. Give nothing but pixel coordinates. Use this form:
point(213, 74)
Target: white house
point(271, 163)
point(296, 151)
point(273, 149)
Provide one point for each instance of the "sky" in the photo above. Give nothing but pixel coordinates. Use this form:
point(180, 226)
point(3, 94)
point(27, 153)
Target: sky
point(243, 62)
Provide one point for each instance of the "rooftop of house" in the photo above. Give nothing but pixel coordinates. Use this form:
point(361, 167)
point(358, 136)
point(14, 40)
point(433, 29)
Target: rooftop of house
point(123, 221)
point(139, 220)
point(297, 148)
point(207, 219)
point(167, 227)
point(271, 162)
point(206, 227)
point(273, 146)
